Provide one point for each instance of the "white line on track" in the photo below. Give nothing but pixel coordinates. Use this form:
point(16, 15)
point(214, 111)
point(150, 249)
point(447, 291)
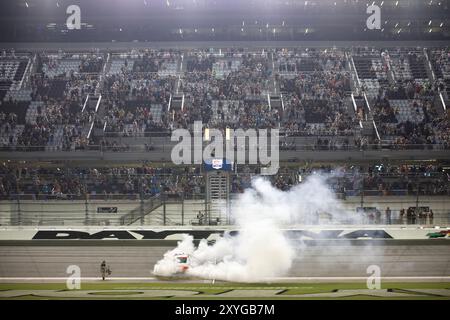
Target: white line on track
point(282, 279)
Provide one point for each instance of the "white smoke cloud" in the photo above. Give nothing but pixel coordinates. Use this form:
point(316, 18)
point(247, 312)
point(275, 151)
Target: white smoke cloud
point(260, 250)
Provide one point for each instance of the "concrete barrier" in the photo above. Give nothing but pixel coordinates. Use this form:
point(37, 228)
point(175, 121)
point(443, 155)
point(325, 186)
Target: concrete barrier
point(298, 233)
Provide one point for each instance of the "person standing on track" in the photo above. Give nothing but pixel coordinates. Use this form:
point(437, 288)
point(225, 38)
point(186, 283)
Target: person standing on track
point(104, 270)
point(388, 215)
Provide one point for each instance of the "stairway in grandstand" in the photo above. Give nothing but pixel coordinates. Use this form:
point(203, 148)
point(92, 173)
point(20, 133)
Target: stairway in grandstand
point(364, 68)
point(371, 73)
point(11, 75)
point(91, 106)
point(417, 67)
point(276, 102)
point(172, 211)
point(360, 103)
point(217, 196)
point(143, 212)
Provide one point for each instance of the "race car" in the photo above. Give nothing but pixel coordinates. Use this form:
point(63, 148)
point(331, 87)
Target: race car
point(182, 262)
point(440, 234)
point(174, 265)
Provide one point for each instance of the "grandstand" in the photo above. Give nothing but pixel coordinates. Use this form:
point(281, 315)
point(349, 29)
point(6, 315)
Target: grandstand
point(355, 122)
point(343, 101)
point(384, 97)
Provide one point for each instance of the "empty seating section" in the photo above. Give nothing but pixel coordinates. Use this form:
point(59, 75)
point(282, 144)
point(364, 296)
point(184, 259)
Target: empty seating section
point(156, 111)
point(8, 137)
point(55, 68)
point(440, 61)
point(417, 66)
point(407, 110)
point(34, 110)
point(134, 117)
point(404, 118)
point(447, 88)
point(12, 117)
point(308, 64)
point(226, 111)
point(401, 69)
point(408, 65)
point(11, 75)
point(168, 69)
point(316, 111)
point(120, 65)
point(372, 73)
point(4, 87)
point(19, 108)
point(200, 62)
point(163, 62)
point(223, 68)
point(8, 70)
point(364, 68)
point(57, 88)
point(18, 95)
point(371, 87)
point(91, 63)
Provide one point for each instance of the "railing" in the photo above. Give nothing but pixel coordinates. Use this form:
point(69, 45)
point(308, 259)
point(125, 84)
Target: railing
point(180, 210)
point(93, 210)
point(146, 207)
point(151, 146)
point(170, 171)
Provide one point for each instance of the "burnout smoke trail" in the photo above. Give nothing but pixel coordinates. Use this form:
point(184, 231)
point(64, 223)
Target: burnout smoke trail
point(260, 250)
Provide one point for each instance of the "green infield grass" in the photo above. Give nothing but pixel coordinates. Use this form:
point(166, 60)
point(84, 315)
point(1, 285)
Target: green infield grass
point(225, 290)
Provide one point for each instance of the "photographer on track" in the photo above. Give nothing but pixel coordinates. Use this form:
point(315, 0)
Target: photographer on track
point(104, 270)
